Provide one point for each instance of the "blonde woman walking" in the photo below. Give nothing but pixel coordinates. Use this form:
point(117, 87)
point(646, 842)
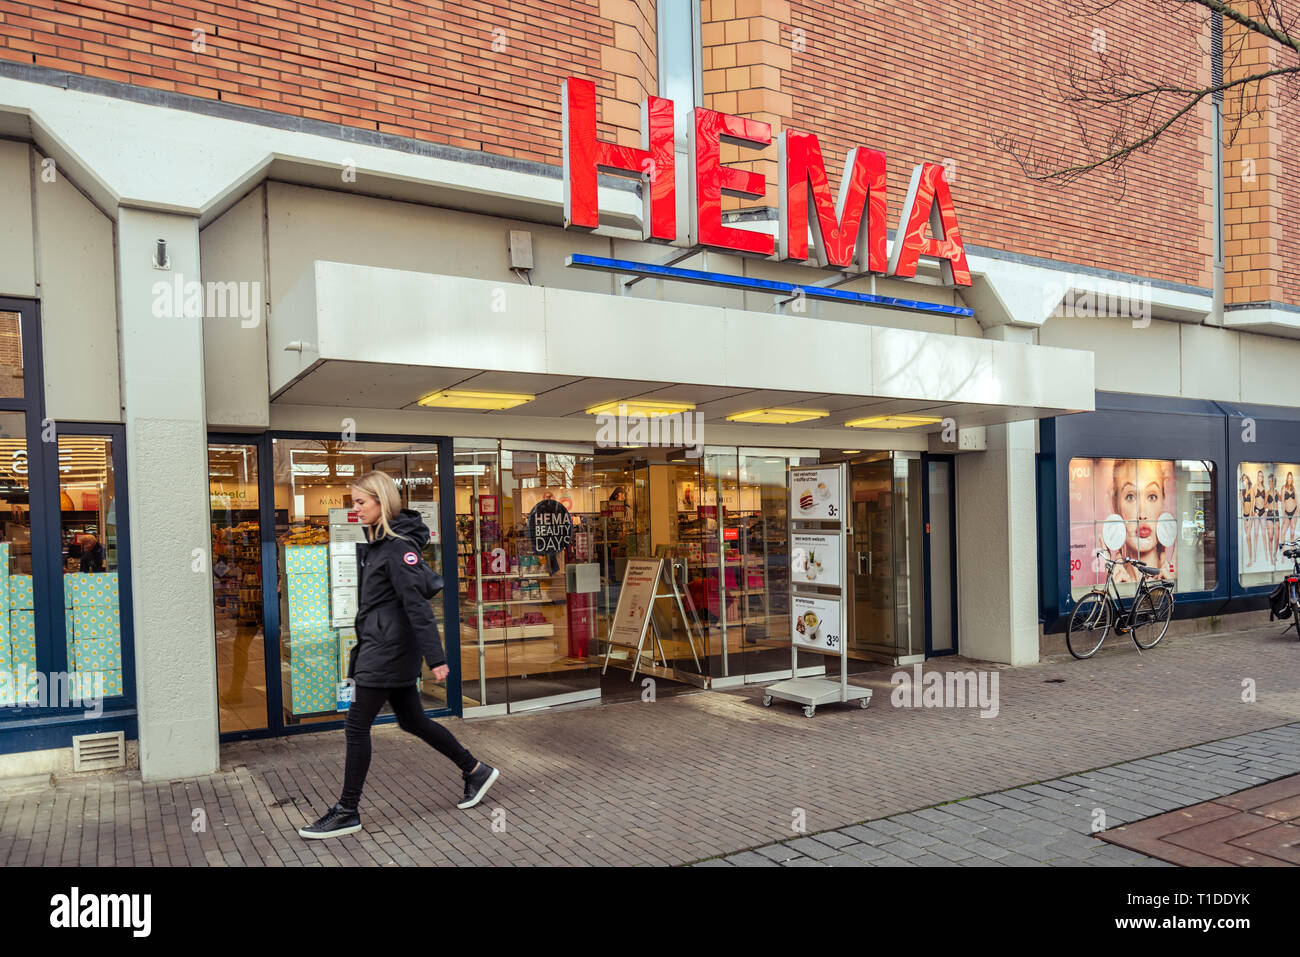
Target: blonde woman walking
point(395, 629)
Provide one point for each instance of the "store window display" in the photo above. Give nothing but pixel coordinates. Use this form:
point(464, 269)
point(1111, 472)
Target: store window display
point(522, 516)
point(17, 614)
point(91, 597)
point(316, 534)
point(237, 586)
point(1267, 517)
point(1158, 511)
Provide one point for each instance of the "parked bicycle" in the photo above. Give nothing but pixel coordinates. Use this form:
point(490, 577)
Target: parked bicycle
point(1284, 601)
point(1146, 619)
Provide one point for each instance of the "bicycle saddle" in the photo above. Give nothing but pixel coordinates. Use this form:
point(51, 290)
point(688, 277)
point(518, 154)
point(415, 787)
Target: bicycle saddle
point(1148, 570)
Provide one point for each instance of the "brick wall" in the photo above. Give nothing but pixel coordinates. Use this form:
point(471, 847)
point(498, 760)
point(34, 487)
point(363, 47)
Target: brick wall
point(1288, 174)
point(928, 82)
point(1252, 197)
point(931, 82)
point(744, 63)
point(479, 74)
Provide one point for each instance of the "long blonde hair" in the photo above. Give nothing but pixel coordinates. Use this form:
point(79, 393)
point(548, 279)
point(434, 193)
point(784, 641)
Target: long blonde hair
point(381, 487)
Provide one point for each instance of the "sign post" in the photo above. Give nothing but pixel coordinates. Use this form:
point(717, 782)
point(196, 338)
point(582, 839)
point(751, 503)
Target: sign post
point(634, 613)
point(819, 598)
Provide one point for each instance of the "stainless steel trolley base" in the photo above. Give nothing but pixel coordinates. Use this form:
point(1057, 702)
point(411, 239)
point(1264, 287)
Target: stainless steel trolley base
point(810, 692)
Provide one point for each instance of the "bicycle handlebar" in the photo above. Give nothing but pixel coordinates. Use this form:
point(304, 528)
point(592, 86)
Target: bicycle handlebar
point(1100, 553)
point(1122, 560)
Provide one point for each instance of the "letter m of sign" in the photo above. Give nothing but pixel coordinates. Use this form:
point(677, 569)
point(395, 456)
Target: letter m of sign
point(849, 233)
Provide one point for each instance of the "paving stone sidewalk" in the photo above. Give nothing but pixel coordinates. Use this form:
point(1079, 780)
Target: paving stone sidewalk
point(697, 776)
point(1048, 823)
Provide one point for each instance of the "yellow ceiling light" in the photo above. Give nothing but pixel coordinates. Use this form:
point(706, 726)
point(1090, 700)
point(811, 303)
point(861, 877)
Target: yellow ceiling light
point(849, 451)
point(892, 421)
point(777, 416)
point(461, 399)
point(646, 407)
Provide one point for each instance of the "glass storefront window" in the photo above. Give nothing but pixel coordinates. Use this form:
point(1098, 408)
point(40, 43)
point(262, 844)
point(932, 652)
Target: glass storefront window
point(524, 515)
point(1267, 512)
point(318, 592)
point(88, 525)
point(17, 619)
point(1158, 511)
point(237, 586)
point(721, 521)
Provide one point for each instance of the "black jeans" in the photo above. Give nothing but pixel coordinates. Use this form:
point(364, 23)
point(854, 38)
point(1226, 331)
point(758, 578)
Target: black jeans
point(410, 718)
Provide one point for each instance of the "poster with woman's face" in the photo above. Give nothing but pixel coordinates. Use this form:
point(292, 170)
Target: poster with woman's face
point(1126, 509)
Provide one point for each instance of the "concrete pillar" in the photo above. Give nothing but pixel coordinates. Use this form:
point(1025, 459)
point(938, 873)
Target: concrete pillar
point(166, 453)
point(997, 540)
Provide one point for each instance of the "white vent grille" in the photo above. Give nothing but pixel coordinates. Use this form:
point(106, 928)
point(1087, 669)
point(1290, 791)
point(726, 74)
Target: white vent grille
point(99, 752)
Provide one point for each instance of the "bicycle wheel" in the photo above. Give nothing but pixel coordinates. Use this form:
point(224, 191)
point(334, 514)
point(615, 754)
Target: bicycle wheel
point(1151, 617)
point(1089, 625)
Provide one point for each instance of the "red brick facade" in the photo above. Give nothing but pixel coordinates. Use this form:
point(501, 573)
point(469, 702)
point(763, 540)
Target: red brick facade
point(930, 82)
point(479, 75)
point(935, 82)
point(1289, 211)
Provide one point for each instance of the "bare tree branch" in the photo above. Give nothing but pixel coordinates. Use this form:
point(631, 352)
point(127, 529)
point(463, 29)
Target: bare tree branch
point(1118, 110)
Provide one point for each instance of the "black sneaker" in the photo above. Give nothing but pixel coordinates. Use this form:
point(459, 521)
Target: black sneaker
point(477, 784)
point(337, 821)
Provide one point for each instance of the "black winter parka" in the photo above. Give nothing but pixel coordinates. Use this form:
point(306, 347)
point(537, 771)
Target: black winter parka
point(395, 625)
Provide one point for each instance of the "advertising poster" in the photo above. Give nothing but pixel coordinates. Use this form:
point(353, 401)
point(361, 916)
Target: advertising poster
point(815, 559)
point(573, 499)
point(345, 532)
point(1266, 515)
point(1126, 508)
point(428, 512)
point(815, 623)
point(634, 601)
point(815, 494)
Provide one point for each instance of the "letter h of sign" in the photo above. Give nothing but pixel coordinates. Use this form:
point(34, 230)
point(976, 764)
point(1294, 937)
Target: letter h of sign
point(584, 156)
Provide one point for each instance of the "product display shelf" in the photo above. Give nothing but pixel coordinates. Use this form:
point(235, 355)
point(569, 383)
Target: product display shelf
point(473, 580)
point(508, 633)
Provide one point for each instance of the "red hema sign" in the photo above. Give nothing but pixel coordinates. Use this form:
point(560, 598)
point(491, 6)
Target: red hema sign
point(848, 233)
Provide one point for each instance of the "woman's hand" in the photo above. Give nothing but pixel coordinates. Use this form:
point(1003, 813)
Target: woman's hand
point(440, 672)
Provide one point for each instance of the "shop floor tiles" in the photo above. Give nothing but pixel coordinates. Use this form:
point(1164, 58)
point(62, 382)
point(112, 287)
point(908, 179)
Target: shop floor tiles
point(1248, 829)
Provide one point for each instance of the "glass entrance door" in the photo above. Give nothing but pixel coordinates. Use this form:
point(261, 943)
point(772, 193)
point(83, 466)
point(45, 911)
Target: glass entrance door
point(886, 563)
point(871, 559)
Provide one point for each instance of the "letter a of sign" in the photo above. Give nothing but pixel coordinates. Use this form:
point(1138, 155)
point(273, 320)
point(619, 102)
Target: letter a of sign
point(843, 236)
point(929, 202)
point(584, 155)
point(712, 179)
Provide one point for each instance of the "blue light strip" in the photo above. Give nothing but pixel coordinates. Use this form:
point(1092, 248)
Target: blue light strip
point(677, 274)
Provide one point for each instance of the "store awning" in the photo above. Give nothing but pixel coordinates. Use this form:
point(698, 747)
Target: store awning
point(368, 337)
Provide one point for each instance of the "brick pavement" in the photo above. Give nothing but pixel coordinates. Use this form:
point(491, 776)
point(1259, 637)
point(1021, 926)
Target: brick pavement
point(1252, 828)
point(674, 781)
point(1053, 822)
